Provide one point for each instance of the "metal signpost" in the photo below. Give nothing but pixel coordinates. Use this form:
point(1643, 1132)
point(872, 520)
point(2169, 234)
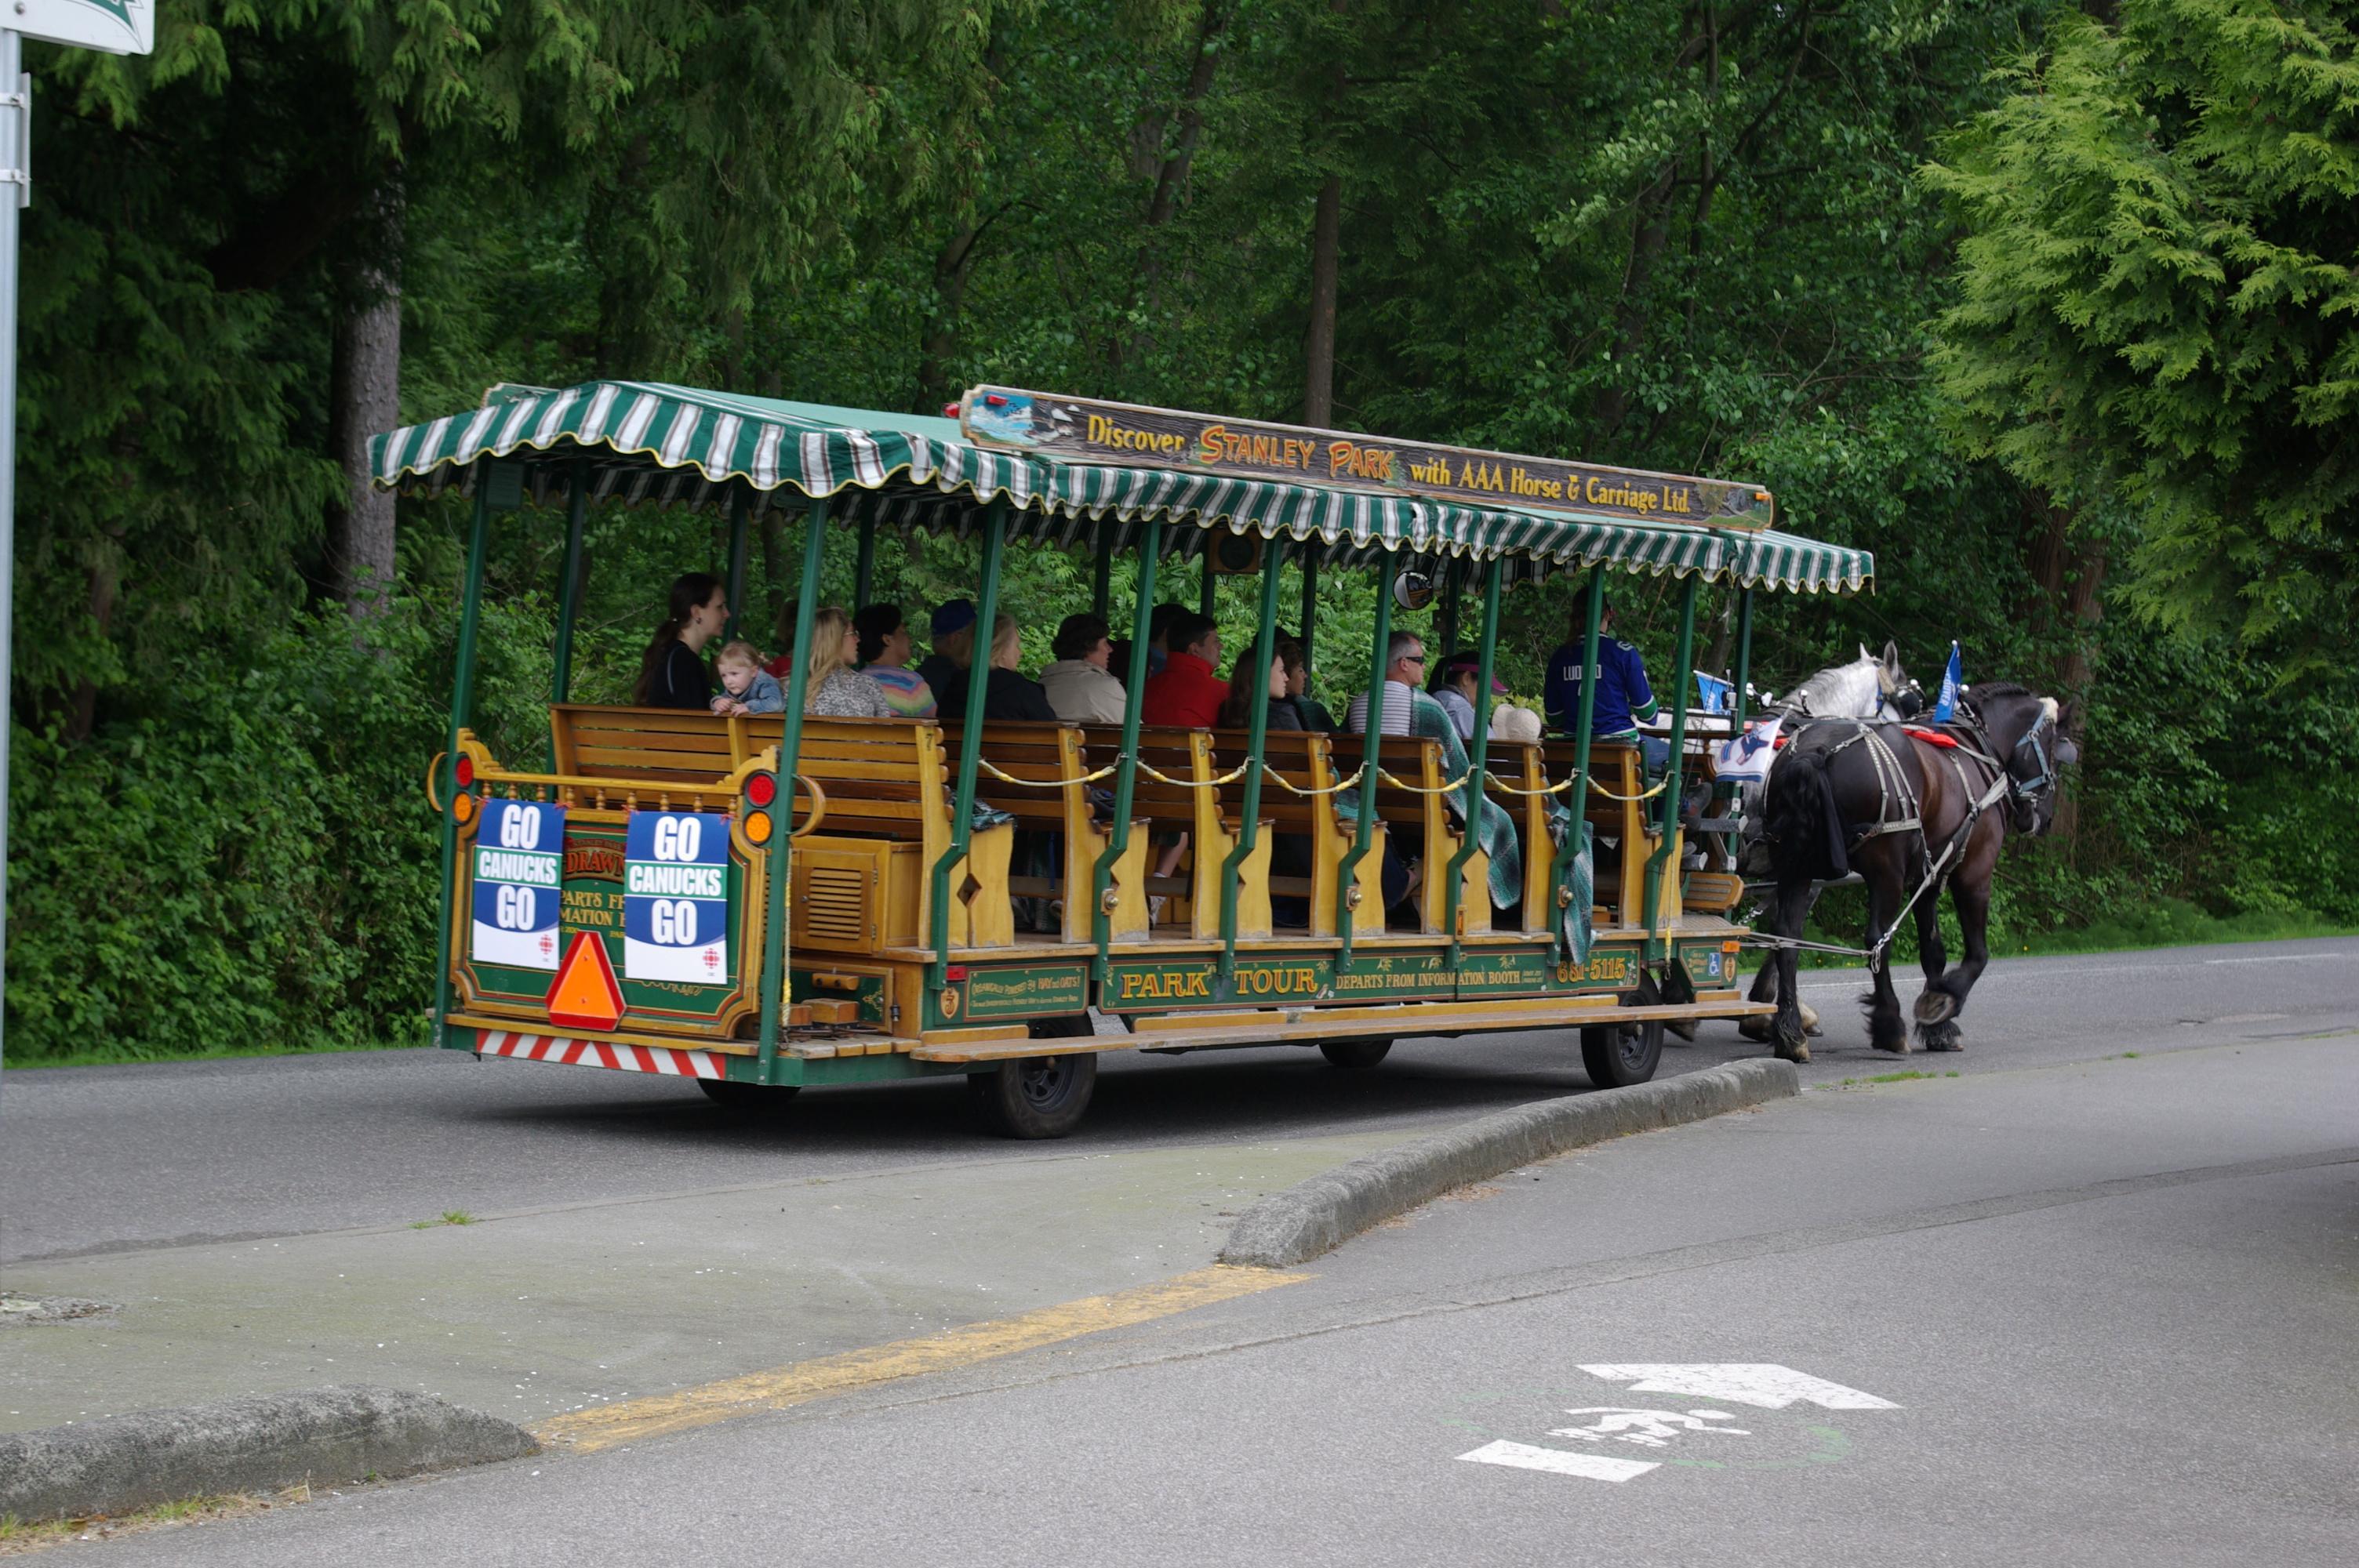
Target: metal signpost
point(115, 26)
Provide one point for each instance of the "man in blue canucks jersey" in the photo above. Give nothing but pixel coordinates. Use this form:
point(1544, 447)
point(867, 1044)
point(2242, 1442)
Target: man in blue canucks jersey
point(1621, 701)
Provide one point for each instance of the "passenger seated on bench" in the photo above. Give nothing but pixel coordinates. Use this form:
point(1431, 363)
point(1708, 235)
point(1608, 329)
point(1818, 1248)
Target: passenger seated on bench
point(833, 690)
point(1236, 707)
point(1078, 685)
point(1619, 698)
point(952, 627)
point(1008, 694)
point(1289, 852)
point(885, 653)
point(746, 687)
point(1188, 694)
point(1309, 709)
point(672, 672)
point(1455, 685)
point(1404, 668)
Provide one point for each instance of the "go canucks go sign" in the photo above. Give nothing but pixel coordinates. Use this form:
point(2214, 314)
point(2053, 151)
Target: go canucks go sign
point(1081, 430)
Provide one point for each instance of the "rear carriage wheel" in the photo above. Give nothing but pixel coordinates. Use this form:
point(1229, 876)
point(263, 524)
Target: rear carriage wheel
point(732, 1096)
point(1620, 1055)
point(1035, 1096)
point(1356, 1055)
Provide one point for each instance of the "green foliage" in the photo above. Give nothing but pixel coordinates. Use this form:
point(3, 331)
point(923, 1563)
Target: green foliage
point(1683, 237)
point(246, 862)
point(2157, 297)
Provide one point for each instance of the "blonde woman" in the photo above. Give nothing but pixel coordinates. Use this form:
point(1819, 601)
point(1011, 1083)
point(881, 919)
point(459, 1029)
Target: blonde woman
point(1008, 695)
point(836, 688)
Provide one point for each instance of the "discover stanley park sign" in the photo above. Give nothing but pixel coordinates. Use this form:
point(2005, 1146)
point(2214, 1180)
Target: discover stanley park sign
point(1085, 430)
point(115, 26)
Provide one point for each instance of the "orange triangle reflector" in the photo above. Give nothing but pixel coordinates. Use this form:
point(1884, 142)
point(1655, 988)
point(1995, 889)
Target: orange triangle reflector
point(586, 995)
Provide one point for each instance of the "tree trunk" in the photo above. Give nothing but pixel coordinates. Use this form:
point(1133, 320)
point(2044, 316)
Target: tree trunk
point(1326, 258)
point(365, 400)
point(103, 586)
point(1652, 233)
point(950, 267)
point(1170, 171)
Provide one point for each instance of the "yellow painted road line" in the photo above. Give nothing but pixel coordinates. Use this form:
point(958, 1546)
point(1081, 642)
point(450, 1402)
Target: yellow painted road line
point(631, 1420)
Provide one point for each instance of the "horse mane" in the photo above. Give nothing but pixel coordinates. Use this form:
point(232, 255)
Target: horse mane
point(2001, 689)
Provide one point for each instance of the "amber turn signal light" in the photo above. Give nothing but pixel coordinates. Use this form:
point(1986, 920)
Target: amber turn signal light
point(758, 828)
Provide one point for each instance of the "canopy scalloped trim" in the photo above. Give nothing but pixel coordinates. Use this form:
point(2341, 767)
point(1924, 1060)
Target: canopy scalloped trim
point(652, 443)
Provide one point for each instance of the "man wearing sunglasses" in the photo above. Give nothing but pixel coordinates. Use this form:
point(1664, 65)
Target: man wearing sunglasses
point(1404, 676)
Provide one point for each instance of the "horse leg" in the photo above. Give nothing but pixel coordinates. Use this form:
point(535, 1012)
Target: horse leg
point(1785, 1029)
point(1972, 895)
point(1886, 1030)
point(1935, 1005)
point(1765, 988)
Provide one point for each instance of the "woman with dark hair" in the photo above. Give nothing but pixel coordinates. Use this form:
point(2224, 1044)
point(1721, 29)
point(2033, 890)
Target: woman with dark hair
point(1078, 686)
point(672, 672)
point(1309, 709)
point(884, 654)
point(1250, 670)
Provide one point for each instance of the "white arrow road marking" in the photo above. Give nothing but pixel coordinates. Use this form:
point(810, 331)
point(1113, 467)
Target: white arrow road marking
point(1738, 1382)
point(1525, 1456)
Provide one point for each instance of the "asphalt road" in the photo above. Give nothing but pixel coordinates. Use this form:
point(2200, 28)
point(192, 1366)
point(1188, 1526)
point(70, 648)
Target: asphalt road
point(2095, 1309)
point(96, 1159)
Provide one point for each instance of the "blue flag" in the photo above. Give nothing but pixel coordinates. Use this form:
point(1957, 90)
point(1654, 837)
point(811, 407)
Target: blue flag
point(1945, 707)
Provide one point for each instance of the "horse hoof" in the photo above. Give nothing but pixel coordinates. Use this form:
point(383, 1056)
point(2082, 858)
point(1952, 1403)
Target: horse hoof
point(1936, 1007)
point(1810, 1018)
point(1943, 1036)
point(1894, 1047)
point(1756, 1028)
point(1797, 1052)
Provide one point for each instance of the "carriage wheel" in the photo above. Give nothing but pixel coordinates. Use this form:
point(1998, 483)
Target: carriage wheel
point(1620, 1055)
point(1357, 1055)
point(1035, 1096)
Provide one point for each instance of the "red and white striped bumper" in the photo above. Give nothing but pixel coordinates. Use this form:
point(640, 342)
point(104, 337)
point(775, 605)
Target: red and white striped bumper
point(661, 1060)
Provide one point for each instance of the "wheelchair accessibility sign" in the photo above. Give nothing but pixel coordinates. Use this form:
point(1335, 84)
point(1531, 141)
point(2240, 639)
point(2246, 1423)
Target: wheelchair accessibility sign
point(675, 897)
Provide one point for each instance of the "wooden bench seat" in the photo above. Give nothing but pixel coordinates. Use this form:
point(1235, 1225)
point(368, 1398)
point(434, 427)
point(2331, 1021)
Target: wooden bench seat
point(1307, 760)
point(888, 781)
point(654, 746)
point(1060, 753)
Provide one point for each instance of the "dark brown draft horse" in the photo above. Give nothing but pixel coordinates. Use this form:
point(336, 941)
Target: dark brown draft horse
point(1870, 798)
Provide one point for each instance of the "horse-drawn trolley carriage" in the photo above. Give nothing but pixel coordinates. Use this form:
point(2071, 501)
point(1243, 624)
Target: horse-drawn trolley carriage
point(762, 903)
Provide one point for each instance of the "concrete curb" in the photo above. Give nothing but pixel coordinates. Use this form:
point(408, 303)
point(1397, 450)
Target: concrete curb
point(1324, 1212)
point(345, 1431)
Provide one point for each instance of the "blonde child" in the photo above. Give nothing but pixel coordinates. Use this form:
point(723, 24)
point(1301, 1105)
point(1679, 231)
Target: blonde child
point(748, 688)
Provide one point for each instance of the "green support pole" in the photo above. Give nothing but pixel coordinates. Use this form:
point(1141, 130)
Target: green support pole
point(1365, 827)
point(569, 588)
point(1478, 758)
point(790, 746)
point(1584, 724)
point(864, 572)
point(462, 691)
point(1309, 622)
point(1744, 660)
point(1257, 737)
point(995, 532)
point(1445, 620)
point(740, 505)
point(1209, 597)
point(1125, 785)
point(1102, 576)
point(1657, 863)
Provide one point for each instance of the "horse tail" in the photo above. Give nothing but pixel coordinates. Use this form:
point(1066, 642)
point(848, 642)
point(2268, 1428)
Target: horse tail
point(1805, 826)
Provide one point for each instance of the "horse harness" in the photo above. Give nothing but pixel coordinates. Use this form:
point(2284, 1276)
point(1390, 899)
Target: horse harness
point(1891, 780)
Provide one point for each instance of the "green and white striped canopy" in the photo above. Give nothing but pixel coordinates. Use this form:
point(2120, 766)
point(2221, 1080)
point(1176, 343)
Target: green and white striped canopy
point(645, 441)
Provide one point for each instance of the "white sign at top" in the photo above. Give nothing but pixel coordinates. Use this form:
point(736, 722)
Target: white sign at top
point(116, 27)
